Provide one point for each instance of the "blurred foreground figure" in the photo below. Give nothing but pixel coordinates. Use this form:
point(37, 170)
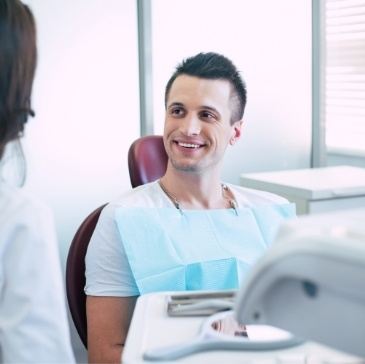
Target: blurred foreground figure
point(33, 319)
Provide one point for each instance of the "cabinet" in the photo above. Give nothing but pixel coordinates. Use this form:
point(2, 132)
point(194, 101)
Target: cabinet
point(313, 190)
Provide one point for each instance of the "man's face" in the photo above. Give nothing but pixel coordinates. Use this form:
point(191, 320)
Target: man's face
point(197, 123)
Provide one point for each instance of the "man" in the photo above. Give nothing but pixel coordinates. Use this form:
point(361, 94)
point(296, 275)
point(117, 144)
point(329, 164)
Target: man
point(187, 231)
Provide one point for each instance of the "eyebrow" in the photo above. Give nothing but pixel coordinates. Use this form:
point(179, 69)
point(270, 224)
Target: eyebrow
point(204, 107)
point(175, 104)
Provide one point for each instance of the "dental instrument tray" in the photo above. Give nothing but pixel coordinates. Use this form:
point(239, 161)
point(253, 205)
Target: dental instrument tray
point(201, 303)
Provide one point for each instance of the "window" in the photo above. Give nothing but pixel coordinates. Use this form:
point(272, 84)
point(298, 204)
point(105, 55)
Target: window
point(343, 99)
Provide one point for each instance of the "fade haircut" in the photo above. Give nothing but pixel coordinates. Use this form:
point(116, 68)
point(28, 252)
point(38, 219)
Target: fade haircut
point(213, 66)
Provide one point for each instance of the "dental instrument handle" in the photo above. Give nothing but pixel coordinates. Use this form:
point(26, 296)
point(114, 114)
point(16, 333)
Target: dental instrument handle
point(176, 351)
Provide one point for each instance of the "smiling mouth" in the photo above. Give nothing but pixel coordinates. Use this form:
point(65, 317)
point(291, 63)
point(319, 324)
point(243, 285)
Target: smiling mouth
point(189, 145)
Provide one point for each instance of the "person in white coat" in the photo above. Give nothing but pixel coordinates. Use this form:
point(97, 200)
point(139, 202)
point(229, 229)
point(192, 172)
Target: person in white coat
point(33, 316)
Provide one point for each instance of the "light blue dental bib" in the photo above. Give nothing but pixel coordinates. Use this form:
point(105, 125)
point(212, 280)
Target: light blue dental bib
point(198, 249)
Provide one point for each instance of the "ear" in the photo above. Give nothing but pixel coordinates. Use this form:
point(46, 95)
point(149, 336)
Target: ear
point(236, 131)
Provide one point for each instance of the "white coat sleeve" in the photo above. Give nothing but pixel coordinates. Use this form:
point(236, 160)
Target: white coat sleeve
point(33, 319)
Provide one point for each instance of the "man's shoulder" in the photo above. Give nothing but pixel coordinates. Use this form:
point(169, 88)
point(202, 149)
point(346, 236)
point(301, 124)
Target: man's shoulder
point(251, 197)
point(147, 195)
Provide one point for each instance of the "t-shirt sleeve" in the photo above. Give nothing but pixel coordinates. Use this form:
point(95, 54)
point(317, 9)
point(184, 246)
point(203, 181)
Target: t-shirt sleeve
point(108, 272)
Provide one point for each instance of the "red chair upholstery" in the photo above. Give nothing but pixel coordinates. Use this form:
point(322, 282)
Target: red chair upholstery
point(147, 160)
point(75, 273)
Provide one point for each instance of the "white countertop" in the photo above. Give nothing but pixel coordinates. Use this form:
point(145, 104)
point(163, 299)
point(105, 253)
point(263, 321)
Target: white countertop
point(152, 328)
point(311, 183)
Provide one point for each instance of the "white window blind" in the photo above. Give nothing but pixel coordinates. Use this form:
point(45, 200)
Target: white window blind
point(343, 101)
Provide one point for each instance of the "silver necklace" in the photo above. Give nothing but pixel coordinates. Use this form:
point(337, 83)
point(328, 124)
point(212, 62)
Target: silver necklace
point(177, 204)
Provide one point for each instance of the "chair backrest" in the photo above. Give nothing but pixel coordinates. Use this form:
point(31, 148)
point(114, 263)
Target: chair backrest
point(147, 160)
point(75, 273)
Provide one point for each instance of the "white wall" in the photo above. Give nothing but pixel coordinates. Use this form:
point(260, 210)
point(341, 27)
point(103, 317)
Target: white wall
point(86, 103)
point(87, 108)
point(270, 43)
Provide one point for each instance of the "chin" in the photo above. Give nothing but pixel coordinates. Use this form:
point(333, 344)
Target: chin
point(185, 167)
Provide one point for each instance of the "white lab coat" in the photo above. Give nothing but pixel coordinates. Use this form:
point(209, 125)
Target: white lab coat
point(33, 319)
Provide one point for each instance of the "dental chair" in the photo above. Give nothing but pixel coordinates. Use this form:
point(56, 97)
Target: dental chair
point(147, 161)
point(311, 281)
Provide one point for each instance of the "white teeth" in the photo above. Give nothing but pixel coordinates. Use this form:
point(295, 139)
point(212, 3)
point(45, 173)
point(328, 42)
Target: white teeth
point(188, 145)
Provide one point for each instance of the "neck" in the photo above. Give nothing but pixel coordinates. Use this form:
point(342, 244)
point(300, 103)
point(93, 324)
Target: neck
point(193, 190)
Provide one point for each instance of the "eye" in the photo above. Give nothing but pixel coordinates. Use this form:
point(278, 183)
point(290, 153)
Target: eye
point(177, 111)
point(208, 115)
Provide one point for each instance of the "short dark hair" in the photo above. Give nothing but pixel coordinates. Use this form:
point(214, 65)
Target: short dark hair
point(18, 57)
point(214, 66)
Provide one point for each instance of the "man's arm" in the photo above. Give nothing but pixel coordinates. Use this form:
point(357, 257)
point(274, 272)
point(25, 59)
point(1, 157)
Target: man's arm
point(108, 320)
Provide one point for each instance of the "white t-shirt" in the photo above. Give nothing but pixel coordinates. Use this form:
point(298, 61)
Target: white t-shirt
point(33, 319)
point(108, 272)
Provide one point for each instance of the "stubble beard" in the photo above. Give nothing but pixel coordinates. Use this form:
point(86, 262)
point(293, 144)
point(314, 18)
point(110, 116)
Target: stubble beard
point(184, 167)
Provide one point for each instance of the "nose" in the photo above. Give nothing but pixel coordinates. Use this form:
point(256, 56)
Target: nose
point(190, 125)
